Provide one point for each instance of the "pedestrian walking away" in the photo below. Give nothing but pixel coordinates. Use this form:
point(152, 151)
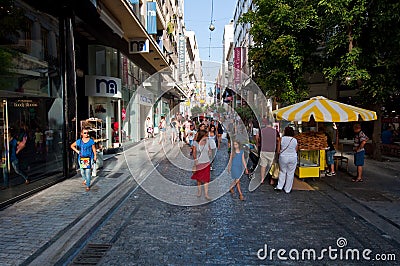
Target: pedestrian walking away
point(360, 139)
point(174, 130)
point(86, 150)
point(201, 167)
point(236, 166)
point(149, 128)
point(287, 150)
point(269, 141)
point(162, 125)
point(220, 131)
point(190, 137)
point(212, 136)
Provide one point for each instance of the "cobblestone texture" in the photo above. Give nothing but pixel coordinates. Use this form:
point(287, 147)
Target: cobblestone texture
point(227, 231)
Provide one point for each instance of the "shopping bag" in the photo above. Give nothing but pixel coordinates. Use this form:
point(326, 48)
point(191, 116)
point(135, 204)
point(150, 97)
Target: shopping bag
point(85, 162)
point(94, 169)
point(274, 171)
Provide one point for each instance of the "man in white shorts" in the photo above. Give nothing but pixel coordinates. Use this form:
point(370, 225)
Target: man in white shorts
point(269, 139)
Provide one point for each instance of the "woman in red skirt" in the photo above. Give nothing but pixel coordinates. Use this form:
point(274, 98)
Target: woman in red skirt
point(201, 155)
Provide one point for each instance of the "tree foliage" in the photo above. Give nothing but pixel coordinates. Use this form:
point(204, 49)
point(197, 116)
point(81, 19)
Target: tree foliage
point(354, 42)
point(285, 40)
point(196, 110)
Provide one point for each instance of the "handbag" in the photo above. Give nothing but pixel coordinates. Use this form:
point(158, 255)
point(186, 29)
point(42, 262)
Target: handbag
point(85, 163)
point(274, 171)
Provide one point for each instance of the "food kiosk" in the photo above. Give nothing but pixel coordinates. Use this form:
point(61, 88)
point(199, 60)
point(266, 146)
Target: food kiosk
point(311, 154)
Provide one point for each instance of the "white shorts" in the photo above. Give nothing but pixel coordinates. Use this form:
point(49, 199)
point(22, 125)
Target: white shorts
point(266, 158)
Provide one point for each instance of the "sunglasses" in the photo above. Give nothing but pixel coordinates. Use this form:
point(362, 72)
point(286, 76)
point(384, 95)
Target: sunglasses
point(85, 133)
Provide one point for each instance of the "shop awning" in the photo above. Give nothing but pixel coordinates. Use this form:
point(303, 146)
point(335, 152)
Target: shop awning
point(323, 110)
point(131, 27)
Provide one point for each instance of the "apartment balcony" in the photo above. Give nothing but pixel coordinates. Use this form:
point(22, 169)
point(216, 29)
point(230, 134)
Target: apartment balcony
point(120, 16)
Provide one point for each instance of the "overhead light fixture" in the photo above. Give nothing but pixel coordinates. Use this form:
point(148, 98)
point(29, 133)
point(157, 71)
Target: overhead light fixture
point(212, 27)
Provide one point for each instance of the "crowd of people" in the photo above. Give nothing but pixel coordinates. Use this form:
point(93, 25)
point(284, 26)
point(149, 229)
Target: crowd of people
point(204, 137)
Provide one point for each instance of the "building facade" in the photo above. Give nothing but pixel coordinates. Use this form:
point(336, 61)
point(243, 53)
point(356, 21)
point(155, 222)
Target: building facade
point(75, 64)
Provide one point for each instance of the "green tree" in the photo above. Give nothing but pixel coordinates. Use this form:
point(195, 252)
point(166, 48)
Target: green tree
point(286, 38)
point(355, 43)
point(196, 110)
point(245, 113)
point(362, 51)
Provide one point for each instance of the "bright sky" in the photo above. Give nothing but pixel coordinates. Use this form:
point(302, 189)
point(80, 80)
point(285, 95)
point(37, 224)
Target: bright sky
point(198, 18)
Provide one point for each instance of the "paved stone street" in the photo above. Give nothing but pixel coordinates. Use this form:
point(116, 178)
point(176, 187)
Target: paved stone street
point(146, 231)
point(118, 223)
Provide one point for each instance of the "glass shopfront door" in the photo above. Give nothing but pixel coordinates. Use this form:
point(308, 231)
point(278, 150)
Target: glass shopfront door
point(32, 136)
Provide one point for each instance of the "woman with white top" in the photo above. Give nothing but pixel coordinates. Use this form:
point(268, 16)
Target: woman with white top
point(287, 150)
point(202, 161)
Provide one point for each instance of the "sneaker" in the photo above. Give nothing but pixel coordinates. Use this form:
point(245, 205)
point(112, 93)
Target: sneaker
point(329, 174)
point(211, 168)
point(333, 173)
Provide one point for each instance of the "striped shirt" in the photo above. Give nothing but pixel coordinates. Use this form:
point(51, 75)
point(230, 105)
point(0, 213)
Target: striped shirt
point(358, 139)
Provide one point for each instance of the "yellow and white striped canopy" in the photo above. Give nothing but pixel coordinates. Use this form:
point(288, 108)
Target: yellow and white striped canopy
point(323, 110)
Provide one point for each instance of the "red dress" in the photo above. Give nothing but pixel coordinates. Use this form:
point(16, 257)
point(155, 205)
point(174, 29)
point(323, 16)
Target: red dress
point(202, 173)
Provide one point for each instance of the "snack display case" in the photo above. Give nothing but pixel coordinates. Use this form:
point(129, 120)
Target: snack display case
point(310, 163)
point(311, 154)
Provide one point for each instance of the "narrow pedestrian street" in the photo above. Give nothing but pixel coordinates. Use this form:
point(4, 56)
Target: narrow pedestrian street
point(118, 223)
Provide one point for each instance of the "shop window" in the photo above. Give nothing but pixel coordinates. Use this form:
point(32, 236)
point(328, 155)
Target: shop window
point(103, 61)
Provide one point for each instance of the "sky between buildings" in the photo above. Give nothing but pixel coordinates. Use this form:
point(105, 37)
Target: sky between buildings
point(198, 18)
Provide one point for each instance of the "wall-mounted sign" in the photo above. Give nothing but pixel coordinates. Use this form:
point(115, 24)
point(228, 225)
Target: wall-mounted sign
point(151, 17)
point(237, 64)
point(23, 103)
point(145, 100)
point(139, 45)
point(181, 54)
point(101, 86)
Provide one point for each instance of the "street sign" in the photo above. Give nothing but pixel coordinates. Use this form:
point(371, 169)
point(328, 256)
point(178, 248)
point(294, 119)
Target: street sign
point(139, 45)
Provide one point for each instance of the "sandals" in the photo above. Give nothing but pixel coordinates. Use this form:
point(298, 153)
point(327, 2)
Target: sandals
point(357, 180)
point(241, 197)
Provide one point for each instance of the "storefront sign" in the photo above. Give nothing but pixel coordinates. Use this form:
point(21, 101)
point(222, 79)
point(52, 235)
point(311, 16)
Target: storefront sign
point(138, 45)
point(145, 100)
point(237, 64)
point(181, 54)
point(151, 17)
point(134, 2)
point(24, 104)
point(100, 86)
